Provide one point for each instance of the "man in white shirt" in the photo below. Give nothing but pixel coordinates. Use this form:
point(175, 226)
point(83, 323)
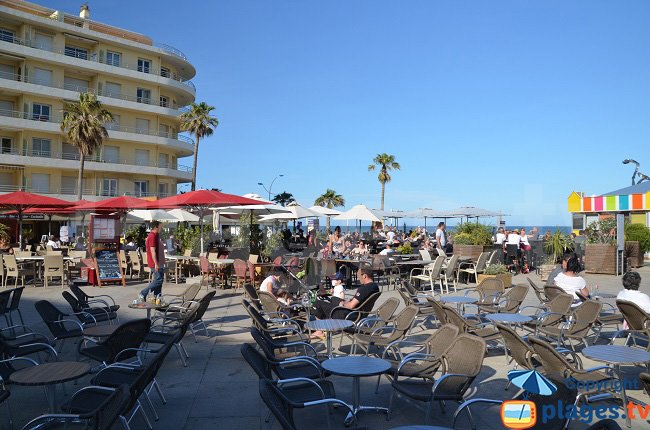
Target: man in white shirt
point(390, 235)
point(441, 237)
point(500, 237)
point(388, 250)
point(631, 293)
point(52, 243)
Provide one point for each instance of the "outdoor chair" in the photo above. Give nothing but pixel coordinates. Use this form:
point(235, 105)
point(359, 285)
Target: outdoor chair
point(207, 272)
point(279, 329)
point(272, 305)
point(241, 270)
point(438, 310)
point(379, 318)
point(429, 353)
point(189, 293)
point(196, 320)
point(513, 258)
point(14, 270)
point(563, 396)
point(429, 273)
point(471, 324)
point(391, 272)
point(460, 364)
point(312, 271)
point(549, 314)
point(577, 325)
point(493, 258)
point(597, 379)
point(107, 412)
point(282, 407)
point(90, 315)
point(172, 327)
point(124, 263)
point(551, 291)
point(425, 255)
point(14, 305)
point(394, 329)
point(449, 272)
point(509, 302)
point(102, 300)
point(60, 327)
point(4, 398)
point(473, 269)
point(412, 297)
point(24, 344)
point(356, 314)
point(638, 322)
point(53, 267)
point(136, 264)
point(539, 291)
point(328, 269)
point(251, 273)
point(251, 293)
point(489, 292)
point(120, 345)
point(644, 377)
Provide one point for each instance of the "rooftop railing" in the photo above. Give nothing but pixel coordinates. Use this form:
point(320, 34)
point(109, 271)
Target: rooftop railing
point(70, 87)
point(93, 57)
point(97, 158)
point(72, 191)
point(50, 118)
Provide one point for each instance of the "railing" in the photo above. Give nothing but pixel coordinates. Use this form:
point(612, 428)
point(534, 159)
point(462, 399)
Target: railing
point(170, 50)
point(72, 191)
point(94, 158)
point(93, 57)
point(110, 126)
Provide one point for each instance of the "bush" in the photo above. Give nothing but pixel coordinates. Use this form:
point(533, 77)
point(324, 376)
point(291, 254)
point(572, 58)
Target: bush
point(639, 233)
point(495, 269)
point(557, 244)
point(138, 233)
point(479, 234)
point(405, 248)
point(602, 231)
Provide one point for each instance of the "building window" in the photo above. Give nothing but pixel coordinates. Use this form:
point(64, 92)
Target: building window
point(109, 187)
point(144, 66)
point(163, 190)
point(142, 157)
point(113, 58)
point(111, 154)
point(74, 84)
point(69, 184)
point(41, 112)
point(163, 160)
point(7, 35)
point(42, 77)
point(40, 182)
point(164, 101)
point(165, 72)
point(69, 151)
point(44, 42)
point(141, 188)
point(163, 130)
point(41, 147)
point(72, 51)
point(6, 108)
point(5, 145)
point(144, 96)
point(113, 90)
point(115, 124)
point(7, 72)
point(141, 126)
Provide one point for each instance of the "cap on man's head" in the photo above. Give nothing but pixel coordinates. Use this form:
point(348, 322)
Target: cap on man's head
point(339, 276)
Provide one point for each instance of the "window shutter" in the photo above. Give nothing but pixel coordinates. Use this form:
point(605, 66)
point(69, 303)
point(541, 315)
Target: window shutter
point(101, 56)
point(99, 88)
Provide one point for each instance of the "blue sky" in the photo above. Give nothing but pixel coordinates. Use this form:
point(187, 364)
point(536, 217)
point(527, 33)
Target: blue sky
point(505, 105)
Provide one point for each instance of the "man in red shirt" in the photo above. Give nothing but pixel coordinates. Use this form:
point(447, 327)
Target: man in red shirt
point(155, 261)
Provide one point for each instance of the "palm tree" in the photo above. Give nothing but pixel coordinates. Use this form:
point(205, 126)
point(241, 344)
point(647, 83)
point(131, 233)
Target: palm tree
point(386, 163)
point(83, 126)
point(330, 200)
point(283, 198)
point(200, 123)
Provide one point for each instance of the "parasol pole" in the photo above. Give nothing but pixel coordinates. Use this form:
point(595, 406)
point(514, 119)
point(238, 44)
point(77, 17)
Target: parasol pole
point(20, 227)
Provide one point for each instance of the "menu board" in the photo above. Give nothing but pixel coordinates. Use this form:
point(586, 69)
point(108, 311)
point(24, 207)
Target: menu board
point(104, 229)
point(108, 265)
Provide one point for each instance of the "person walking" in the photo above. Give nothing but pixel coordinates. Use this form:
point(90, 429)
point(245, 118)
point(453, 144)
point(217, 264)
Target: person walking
point(155, 261)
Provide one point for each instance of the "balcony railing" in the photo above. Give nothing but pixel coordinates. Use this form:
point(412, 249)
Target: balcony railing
point(93, 57)
point(81, 89)
point(72, 191)
point(110, 126)
point(95, 158)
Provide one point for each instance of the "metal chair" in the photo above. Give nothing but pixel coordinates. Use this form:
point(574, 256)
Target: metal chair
point(122, 344)
point(60, 327)
point(394, 329)
point(473, 268)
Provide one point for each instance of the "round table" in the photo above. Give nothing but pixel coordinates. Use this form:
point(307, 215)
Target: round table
point(329, 326)
point(356, 367)
point(48, 375)
point(459, 300)
point(617, 354)
point(509, 318)
point(605, 296)
point(148, 306)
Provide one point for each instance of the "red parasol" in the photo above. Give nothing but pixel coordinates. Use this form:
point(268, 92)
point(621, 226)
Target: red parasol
point(20, 201)
point(113, 204)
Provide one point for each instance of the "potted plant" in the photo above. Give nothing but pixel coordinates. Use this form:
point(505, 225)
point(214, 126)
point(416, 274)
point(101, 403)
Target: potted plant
point(600, 249)
point(471, 238)
point(637, 243)
point(498, 271)
point(556, 244)
point(405, 248)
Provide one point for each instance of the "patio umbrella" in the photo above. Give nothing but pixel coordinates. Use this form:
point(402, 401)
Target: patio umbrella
point(469, 212)
point(183, 215)
point(423, 213)
point(50, 212)
point(360, 213)
point(140, 215)
point(201, 202)
point(532, 381)
point(113, 204)
point(325, 211)
point(21, 201)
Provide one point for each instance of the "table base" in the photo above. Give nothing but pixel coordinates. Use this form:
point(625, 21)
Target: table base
point(356, 396)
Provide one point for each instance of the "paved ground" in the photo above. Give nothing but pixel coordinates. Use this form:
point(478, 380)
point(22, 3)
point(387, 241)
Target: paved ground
point(218, 391)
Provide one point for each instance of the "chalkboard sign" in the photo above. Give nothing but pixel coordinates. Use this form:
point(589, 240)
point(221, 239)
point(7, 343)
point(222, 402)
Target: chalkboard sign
point(108, 266)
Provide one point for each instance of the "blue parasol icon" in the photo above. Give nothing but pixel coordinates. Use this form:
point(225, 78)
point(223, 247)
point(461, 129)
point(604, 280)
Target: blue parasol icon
point(532, 381)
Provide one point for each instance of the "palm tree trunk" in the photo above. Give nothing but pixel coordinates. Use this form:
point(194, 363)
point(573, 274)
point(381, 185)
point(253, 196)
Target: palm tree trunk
point(80, 179)
point(328, 225)
point(196, 155)
point(383, 189)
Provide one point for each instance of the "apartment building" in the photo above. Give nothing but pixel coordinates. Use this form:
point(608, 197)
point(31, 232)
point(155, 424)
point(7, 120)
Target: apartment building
point(48, 57)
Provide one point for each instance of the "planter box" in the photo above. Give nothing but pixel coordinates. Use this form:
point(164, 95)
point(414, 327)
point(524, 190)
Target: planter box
point(505, 277)
point(600, 258)
point(545, 270)
point(472, 251)
point(633, 253)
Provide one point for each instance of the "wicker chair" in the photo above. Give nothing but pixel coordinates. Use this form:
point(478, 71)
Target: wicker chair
point(411, 297)
point(460, 365)
point(489, 292)
point(539, 291)
point(380, 337)
point(471, 325)
point(549, 314)
point(509, 302)
point(379, 318)
point(578, 325)
point(638, 322)
point(241, 271)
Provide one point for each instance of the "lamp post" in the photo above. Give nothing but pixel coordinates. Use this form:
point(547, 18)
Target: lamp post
point(270, 186)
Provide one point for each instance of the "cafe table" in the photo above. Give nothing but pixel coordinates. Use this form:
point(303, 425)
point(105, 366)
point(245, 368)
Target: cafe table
point(148, 306)
point(329, 326)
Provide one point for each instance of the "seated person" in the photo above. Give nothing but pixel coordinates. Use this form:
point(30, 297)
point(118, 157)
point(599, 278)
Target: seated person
point(631, 293)
point(52, 243)
point(570, 281)
point(427, 246)
point(360, 250)
point(347, 247)
point(561, 267)
point(323, 308)
point(130, 244)
point(338, 290)
point(271, 285)
point(388, 250)
point(79, 244)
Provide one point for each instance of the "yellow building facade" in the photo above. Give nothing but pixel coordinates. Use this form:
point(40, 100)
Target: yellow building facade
point(47, 58)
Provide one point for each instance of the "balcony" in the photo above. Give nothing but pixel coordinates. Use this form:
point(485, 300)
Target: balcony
point(69, 87)
point(186, 147)
point(69, 193)
point(93, 57)
point(95, 163)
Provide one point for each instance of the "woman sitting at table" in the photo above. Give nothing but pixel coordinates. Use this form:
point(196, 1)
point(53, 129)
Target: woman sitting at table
point(570, 281)
point(361, 250)
point(271, 285)
point(631, 293)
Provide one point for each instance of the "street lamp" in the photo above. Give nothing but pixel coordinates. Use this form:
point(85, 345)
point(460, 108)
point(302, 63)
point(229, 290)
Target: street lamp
point(270, 186)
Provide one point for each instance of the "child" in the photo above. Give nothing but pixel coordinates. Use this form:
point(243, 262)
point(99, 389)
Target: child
point(337, 286)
